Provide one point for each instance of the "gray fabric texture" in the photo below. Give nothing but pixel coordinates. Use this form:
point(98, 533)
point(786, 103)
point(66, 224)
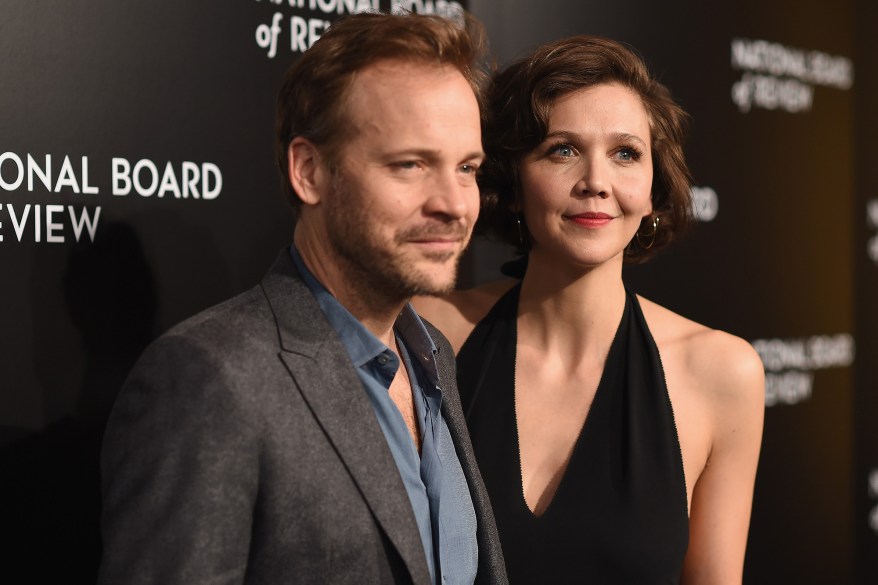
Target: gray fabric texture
point(240, 451)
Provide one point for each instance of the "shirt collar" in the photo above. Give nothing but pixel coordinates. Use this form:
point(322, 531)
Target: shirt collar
point(361, 345)
point(418, 342)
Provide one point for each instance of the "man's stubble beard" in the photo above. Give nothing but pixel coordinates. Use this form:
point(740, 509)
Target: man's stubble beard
point(385, 275)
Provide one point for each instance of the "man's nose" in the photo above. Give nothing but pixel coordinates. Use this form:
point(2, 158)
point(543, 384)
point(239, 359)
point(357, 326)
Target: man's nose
point(451, 196)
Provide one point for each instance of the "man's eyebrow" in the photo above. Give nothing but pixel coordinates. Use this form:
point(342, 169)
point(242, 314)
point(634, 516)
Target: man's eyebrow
point(417, 152)
point(475, 154)
point(428, 153)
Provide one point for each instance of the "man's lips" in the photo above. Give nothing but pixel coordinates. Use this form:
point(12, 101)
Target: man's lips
point(446, 239)
point(439, 239)
point(449, 234)
point(438, 242)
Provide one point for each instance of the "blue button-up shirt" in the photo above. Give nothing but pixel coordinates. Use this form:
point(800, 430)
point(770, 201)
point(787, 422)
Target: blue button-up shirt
point(434, 481)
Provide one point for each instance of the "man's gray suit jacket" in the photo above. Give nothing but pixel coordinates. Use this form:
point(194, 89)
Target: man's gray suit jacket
point(243, 449)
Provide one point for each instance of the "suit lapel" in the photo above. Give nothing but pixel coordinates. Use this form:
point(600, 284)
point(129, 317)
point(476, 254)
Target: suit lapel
point(320, 368)
point(491, 564)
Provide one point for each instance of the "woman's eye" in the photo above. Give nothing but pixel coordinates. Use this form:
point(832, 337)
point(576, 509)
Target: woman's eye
point(628, 154)
point(563, 150)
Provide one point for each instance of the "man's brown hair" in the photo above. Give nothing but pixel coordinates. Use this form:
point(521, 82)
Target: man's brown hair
point(311, 101)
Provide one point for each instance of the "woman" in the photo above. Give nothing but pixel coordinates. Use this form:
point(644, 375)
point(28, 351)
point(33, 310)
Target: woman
point(618, 440)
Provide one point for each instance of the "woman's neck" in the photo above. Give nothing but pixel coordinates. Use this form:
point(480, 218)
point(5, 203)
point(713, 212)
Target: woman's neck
point(572, 311)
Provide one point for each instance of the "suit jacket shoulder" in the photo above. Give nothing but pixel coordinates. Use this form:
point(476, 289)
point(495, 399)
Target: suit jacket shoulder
point(242, 449)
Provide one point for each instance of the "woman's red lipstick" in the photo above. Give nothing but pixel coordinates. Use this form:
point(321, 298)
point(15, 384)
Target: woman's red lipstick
point(590, 219)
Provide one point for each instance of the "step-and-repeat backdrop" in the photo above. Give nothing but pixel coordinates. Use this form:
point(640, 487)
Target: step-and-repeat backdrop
point(137, 186)
point(865, 253)
point(785, 251)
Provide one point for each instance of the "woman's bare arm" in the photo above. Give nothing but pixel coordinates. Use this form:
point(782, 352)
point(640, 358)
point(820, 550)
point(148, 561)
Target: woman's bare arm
point(733, 378)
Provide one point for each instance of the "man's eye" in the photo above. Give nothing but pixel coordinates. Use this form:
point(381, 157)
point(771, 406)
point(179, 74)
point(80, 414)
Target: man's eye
point(469, 168)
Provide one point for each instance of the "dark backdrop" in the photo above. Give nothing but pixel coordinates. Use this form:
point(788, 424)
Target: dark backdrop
point(780, 149)
point(781, 256)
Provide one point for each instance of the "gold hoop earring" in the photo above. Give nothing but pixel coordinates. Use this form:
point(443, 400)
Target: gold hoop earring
point(655, 223)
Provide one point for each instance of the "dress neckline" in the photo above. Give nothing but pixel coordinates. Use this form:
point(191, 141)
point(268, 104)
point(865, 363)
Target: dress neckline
point(514, 297)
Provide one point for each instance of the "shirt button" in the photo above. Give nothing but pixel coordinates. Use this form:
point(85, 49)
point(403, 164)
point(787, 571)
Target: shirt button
point(383, 359)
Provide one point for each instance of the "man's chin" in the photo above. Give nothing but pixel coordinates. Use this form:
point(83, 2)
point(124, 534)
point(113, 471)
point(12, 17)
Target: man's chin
point(433, 291)
point(432, 288)
point(434, 283)
point(441, 258)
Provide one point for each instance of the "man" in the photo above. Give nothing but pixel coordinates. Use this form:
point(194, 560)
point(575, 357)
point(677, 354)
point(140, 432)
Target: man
point(309, 430)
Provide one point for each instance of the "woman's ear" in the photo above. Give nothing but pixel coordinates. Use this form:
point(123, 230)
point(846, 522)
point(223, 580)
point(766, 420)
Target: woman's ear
point(306, 170)
point(651, 209)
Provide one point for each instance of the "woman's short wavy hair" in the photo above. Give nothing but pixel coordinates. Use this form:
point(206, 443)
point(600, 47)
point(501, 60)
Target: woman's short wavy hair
point(519, 102)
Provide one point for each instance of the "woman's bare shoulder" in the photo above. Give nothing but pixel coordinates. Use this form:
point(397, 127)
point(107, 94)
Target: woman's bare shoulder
point(724, 364)
point(717, 389)
point(457, 313)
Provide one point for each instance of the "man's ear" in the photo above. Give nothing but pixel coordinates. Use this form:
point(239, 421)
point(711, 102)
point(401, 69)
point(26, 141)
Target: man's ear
point(306, 170)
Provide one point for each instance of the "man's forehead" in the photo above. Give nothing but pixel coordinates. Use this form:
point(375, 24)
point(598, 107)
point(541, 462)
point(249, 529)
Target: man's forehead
point(394, 78)
point(395, 89)
point(391, 66)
